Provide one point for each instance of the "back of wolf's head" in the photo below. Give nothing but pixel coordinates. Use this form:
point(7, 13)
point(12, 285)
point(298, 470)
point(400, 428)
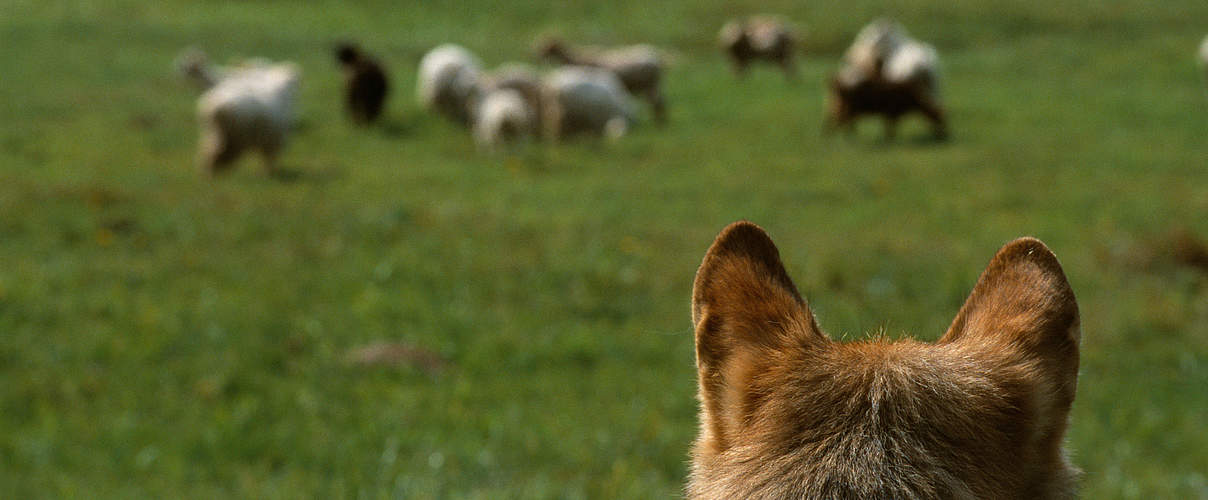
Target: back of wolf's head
point(788, 413)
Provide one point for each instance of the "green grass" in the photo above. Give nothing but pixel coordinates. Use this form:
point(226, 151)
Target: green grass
point(166, 336)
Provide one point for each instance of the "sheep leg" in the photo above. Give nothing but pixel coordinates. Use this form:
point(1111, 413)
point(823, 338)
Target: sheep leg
point(739, 65)
point(789, 67)
point(836, 120)
point(553, 119)
point(891, 128)
point(828, 126)
point(269, 152)
point(935, 114)
point(217, 153)
point(659, 105)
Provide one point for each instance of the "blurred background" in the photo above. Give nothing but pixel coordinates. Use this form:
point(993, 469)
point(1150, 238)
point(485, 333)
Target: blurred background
point(405, 315)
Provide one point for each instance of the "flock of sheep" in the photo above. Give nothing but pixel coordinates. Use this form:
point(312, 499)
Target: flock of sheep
point(250, 106)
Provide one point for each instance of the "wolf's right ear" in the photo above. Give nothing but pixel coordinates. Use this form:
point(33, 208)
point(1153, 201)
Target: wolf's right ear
point(744, 307)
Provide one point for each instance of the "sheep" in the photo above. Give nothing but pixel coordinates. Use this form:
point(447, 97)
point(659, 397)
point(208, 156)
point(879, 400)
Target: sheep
point(1204, 56)
point(249, 108)
point(365, 84)
point(639, 68)
point(889, 74)
point(871, 49)
point(195, 66)
point(581, 99)
point(448, 81)
point(759, 38)
point(508, 106)
point(503, 116)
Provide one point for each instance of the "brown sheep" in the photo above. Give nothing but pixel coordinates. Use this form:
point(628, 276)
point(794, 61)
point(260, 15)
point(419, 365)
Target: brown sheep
point(759, 38)
point(848, 101)
point(889, 74)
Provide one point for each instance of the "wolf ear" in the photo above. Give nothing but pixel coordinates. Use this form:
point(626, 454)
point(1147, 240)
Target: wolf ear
point(1023, 304)
point(744, 307)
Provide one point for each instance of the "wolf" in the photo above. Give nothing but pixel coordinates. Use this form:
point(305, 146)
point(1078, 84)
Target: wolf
point(785, 412)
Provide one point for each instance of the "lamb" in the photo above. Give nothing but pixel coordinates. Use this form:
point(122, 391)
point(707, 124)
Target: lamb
point(508, 106)
point(580, 99)
point(448, 81)
point(889, 74)
point(1204, 56)
point(365, 84)
point(639, 68)
point(756, 38)
point(247, 108)
point(503, 116)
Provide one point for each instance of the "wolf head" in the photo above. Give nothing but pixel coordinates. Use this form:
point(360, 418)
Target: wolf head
point(788, 413)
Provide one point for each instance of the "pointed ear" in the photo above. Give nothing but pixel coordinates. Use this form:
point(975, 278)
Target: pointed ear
point(1023, 304)
point(744, 307)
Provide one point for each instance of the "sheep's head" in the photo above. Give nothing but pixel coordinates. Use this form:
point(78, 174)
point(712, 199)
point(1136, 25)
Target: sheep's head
point(194, 65)
point(347, 53)
point(551, 48)
point(838, 107)
point(731, 35)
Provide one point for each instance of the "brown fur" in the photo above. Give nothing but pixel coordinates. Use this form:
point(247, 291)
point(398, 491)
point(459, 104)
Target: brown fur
point(788, 413)
point(890, 100)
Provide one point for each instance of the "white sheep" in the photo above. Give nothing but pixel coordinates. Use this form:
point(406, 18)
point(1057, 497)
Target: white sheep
point(503, 115)
point(883, 50)
point(915, 61)
point(248, 108)
point(195, 66)
point(508, 105)
point(639, 68)
point(871, 50)
point(580, 99)
point(448, 81)
point(1204, 56)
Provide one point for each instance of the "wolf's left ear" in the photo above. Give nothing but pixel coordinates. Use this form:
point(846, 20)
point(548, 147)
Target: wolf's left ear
point(1023, 304)
point(744, 308)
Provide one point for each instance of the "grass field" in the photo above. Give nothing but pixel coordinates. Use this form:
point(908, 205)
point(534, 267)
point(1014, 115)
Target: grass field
point(166, 336)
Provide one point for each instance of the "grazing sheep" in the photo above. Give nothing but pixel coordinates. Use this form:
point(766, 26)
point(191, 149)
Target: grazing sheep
point(581, 99)
point(508, 105)
point(365, 84)
point(871, 49)
point(639, 68)
point(503, 116)
point(448, 81)
point(764, 38)
point(249, 108)
point(889, 74)
point(1204, 56)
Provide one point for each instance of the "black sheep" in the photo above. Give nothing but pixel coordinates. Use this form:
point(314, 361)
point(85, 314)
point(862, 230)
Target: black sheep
point(365, 84)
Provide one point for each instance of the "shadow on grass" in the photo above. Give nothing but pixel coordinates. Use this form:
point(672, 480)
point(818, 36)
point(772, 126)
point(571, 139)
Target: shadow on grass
point(919, 141)
point(394, 127)
point(317, 175)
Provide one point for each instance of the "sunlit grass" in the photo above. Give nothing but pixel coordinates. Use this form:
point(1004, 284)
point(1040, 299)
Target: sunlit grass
point(166, 336)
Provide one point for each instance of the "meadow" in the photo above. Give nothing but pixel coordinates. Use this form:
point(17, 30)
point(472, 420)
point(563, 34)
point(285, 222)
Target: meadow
point(163, 335)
